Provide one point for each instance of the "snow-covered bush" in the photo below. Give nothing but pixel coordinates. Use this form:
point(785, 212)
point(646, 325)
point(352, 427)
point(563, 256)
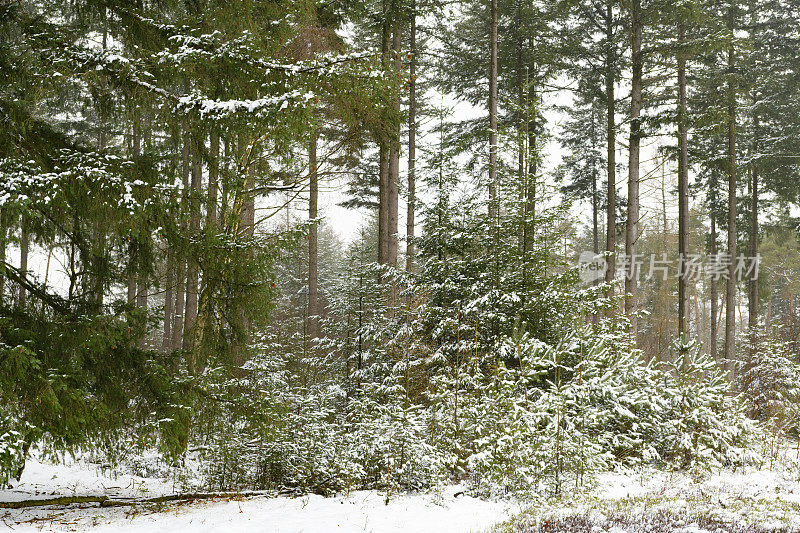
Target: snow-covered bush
point(391, 444)
point(564, 412)
point(703, 424)
point(11, 455)
point(526, 435)
point(768, 379)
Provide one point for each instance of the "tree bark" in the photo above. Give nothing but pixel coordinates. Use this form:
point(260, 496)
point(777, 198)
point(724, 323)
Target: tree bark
point(611, 151)
point(632, 226)
point(412, 142)
point(180, 274)
point(713, 348)
point(730, 288)
point(383, 150)
point(140, 282)
point(192, 271)
point(530, 189)
point(313, 273)
point(24, 244)
point(213, 180)
point(169, 303)
point(394, 156)
point(752, 282)
point(493, 207)
point(521, 129)
point(3, 234)
point(595, 216)
point(683, 186)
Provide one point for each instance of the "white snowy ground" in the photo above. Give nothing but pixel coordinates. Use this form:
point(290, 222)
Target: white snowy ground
point(362, 511)
point(752, 500)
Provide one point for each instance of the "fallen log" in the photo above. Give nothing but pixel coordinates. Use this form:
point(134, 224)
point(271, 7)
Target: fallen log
point(179, 497)
point(59, 500)
point(105, 501)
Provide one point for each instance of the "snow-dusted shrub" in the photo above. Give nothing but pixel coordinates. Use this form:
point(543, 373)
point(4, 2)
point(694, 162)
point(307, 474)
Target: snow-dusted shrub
point(11, 455)
point(539, 424)
point(769, 379)
point(703, 425)
point(564, 412)
point(390, 442)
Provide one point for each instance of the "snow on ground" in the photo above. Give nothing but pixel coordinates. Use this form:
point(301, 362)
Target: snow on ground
point(361, 511)
point(749, 499)
point(74, 477)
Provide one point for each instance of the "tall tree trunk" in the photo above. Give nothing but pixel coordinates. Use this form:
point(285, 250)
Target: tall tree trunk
point(713, 291)
point(131, 289)
point(384, 149)
point(2, 250)
point(632, 226)
point(94, 275)
point(140, 282)
point(412, 143)
point(213, 179)
point(493, 206)
point(595, 220)
point(521, 130)
point(313, 274)
point(752, 282)
point(23, 257)
point(683, 187)
point(394, 155)
point(533, 169)
point(611, 150)
point(169, 302)
point(192, 271)
point(730, 288)
point(180, 273)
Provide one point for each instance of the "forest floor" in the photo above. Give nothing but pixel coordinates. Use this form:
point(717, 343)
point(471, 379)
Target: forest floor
point(361, 511)
point(751, 500)
point(754, 499)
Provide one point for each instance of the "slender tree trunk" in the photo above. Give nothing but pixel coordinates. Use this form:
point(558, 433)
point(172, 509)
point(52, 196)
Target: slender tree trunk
point(213, 180)
point(23, 257)
point(611, 151)
point(752, 282)
point(632, 226)
point(521, 132)
point(180, 301)
point(412, 143)
point(533, 169)
point(595, 216)
point(169, 303)
point(313, 274)
point(192, 271)
point(493, 206)
point(94, 276)
point(180, 281)
point(383, 151)
point(394, 156)
point(730, 289)
point(138, 281)
point(243, 219)
point(2, 250)
point(134, 146)
point(683, 186)
point(383, 205)
point(131, 289)
point(713, 286)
